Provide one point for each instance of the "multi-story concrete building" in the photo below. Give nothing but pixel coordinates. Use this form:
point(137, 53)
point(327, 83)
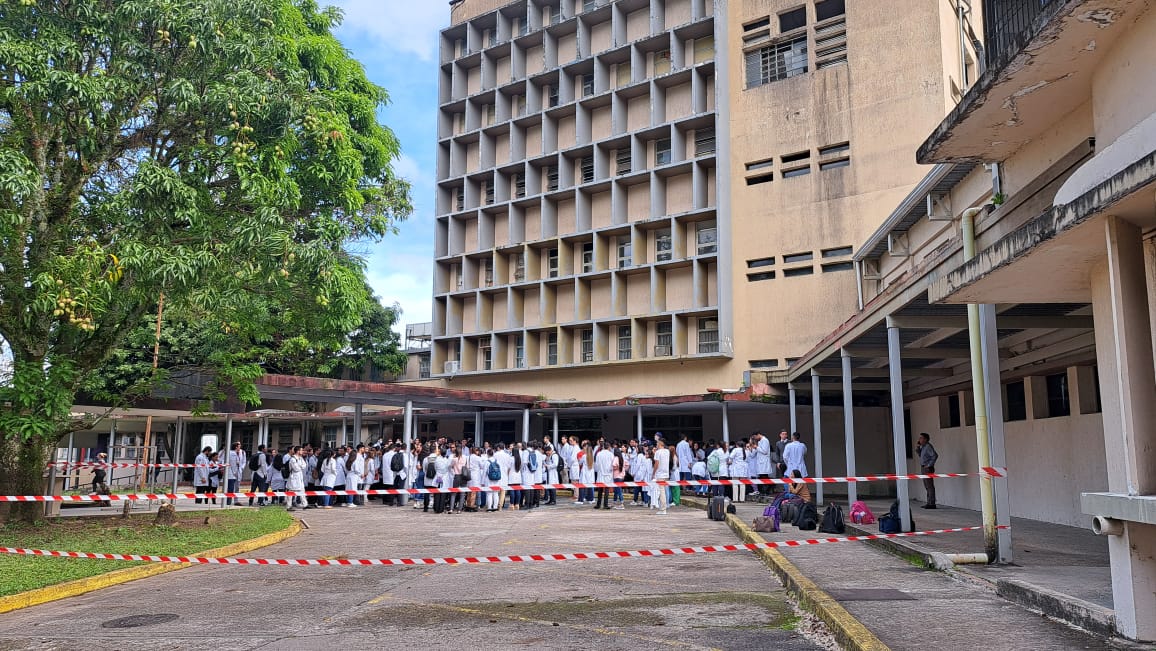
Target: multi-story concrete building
point(633, 195)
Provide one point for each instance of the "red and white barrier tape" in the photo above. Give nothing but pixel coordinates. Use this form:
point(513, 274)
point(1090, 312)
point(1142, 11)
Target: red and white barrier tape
point(99, 464)
point(470, 560)
point(132, 497)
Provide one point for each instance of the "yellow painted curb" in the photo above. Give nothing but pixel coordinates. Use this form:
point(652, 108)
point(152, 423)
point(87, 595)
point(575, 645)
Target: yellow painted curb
point(850, 632)
point(116, 577)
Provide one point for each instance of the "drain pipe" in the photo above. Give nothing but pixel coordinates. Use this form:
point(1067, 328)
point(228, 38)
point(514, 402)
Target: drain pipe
point(982, 441)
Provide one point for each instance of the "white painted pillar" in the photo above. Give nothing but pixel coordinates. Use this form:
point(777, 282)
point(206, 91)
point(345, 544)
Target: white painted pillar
point(989, 342)
point(794, 419)
point(356, 423)
point(344, 432)
point(638, 423)
point(407, 439)
point(554, 429)
point(1125, 358)
point(849, 427)
point(726, 424)
point(224, 485)
point(817, 424)
point(479, 428)
point(525, 425)
point(895, 365)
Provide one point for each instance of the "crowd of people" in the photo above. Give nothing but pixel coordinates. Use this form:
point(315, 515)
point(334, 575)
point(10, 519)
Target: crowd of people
point(444, 463)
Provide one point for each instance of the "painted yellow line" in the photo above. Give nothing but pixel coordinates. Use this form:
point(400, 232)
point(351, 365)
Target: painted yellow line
point(849, 631)
point(117, 577)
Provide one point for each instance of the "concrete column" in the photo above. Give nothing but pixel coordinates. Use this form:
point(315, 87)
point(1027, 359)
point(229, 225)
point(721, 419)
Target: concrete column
point(817, 424)
point(554, 429)
point(407, 439)
point(479, 428)
point(525, 425)
point(638, 421)
point(178, 452)
point(989, 342)
point(794, 419)
point(849, 426)
point(895, 365)
point(726, 424)
point(344, 440)
point(357, 423)
point(1124, 354)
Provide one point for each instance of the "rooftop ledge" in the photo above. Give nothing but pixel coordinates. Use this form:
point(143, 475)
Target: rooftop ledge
point(1031, 87)
point(1130, 508)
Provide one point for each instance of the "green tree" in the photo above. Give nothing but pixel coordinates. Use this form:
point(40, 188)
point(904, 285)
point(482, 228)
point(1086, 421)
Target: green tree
point(220, 153)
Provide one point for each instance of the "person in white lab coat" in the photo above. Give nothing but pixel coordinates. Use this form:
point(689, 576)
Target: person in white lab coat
point(603, 473)
point(794, 455)
point(354, 471)
point(201, 474)
point(739, 469)
point(553, 463)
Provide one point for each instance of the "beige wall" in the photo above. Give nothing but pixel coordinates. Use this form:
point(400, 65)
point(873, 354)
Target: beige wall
point(1124, 83)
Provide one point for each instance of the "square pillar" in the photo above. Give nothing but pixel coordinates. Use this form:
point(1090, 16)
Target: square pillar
point(849, 427)
point(899, 445)
point(817, 424)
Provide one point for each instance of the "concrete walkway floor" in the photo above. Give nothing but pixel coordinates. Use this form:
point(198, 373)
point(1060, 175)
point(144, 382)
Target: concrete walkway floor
point(693, 602)
point(910, 607)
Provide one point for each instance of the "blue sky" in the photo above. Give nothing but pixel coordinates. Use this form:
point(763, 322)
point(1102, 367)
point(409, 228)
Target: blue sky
point(396, 41)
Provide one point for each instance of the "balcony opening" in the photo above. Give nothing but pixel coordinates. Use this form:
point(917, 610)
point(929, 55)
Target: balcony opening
point(708, 336)
point(664, 339)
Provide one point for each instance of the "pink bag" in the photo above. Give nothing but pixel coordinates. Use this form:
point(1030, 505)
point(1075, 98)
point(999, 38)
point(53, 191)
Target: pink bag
point(860, 514)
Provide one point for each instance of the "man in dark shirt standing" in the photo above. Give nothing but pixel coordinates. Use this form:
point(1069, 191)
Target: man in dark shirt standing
point(927, 458)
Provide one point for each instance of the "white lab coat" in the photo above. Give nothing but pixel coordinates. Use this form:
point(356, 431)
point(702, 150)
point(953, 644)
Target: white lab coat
point(763, 462)
point(329, 473)
point(296, 480)
point(604, 466)
point(506, 463)
point(794, 455)
point(723, 460)
point(551, 465)
point(354, 473)
point(201, 472)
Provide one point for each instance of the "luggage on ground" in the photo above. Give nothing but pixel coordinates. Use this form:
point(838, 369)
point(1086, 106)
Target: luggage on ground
point(860, 514)
point(770, 520)
point(808, 517)
point(717, 508)
point(892, 523)
point(833, 520)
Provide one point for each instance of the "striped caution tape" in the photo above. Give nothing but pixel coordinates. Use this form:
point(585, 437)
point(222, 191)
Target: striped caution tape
point(98, 464)
point(134, 497)
point(471, 560)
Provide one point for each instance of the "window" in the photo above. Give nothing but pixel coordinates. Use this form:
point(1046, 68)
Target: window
point(703, 49)
point(552, 263)
point(797, 257)
point(835, 150)
point(624, 345)
point(1058, 401)
point(757, 24)
point(664, 339)
point(589, 5)
point(708, 336)
point(552, 349)
point(801, 271)
point(1017, 404)
point(488, 188)
point(760, 164)
point(521, 26)
point(555, 14)
point(456, 271)
point(519, 267)
point(490, 37)
point(662, 151)
point(551, 96)
point(704, 141)
point(587, 167)
point(622, 74)
point(489, 272)
point(825, 9)
point(460, 197)
point(794, 19)
point(764, 363)
point(587, 257)
point(837, 252)
point(551, 178)
point(489, 116)
point(776, 61)
point(796, 164)
point(831, 44)
point(834, 164)
point(519, 352)
point(706, 238)
point(587, 345)
point(622, 161)
point(760, 262)
point(949, 414)
point(519, 185)
point(587, 85)
point(624, 257)
point(761, 179)
point(838, 266)
point(661, 62)
point(798, 171)
point(834, 156)
point(487, 356)
point(765, 275)
point(518, 103)
point(663, 246)
point(423, 365)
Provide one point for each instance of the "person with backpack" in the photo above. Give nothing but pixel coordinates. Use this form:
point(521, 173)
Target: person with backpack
point(457, 464)
point(295, 482)
point(493, 474)
point(603, 474)
point(552, 464)
point(516, 476)
point(642, 468)
point(505, 460)
point(258, 475)
point(398, 468)
point(443, 478)
point(618, 469)
point(529, 470)
point(717, 466)
point(698, 472)
point(739, 469)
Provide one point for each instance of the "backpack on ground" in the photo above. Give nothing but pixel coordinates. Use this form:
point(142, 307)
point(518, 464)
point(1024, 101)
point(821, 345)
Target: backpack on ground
point(790, 507)
point(717, 508)
point(808, 518)
point(731, 510)
point(397, 463)
point(833, 520)
point(532, 461)
point(860, 514)
point(255, 462)
point(892, 523)
point(494, 472)
point(712, 465)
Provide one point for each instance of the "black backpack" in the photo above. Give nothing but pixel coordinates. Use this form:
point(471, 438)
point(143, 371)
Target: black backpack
point(808, 518)
point(255, 462)
point(833, 520)
point(278, 462)
point(892, 523)
point(397, 463)
point(285, 470)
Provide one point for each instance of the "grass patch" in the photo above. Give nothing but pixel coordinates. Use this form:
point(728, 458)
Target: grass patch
point(134, 535)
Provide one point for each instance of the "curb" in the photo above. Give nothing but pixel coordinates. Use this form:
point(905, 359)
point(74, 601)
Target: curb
point(117, 577)
point(848, 631)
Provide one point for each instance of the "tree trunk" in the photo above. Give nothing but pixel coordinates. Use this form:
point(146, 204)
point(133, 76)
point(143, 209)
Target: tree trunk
point(22, 472)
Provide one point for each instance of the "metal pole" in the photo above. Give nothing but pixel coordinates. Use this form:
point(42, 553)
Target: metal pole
point(70, 467)
point(989, 341)
point(849, 427)
point(407, 437)
point(794, 422)
point(228, 447)
point(638, 421)
point(525, 425)
point(817, 424)
point(979, 399)
point(726, 424)
point(357, 423)
point(898, 423)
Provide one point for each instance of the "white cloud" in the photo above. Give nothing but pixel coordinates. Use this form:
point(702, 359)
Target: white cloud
point(399, 25)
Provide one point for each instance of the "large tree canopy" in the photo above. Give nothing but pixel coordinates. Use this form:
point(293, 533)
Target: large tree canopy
point(220, 153)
